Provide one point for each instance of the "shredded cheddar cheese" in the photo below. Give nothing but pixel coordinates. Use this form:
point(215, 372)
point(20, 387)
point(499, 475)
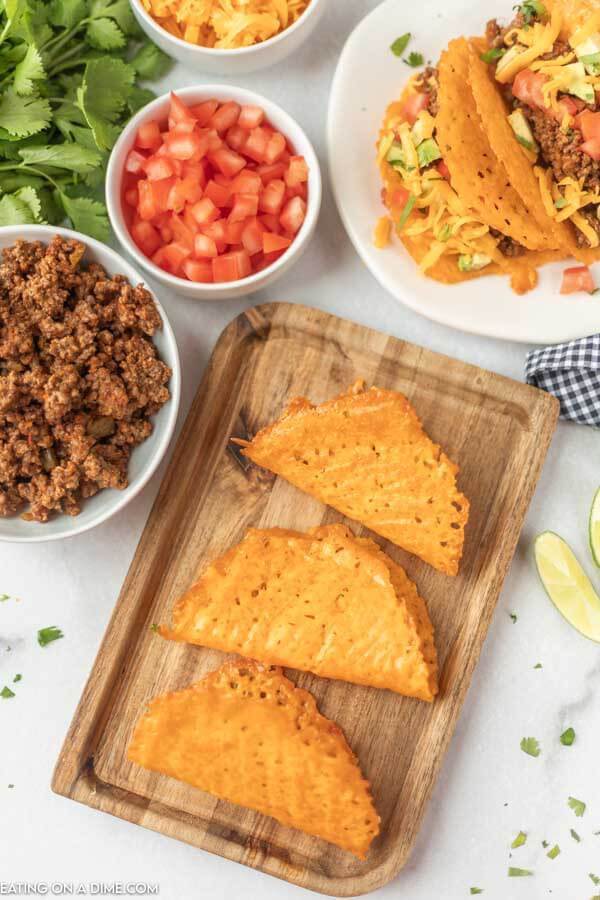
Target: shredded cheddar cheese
point(538, 41)
point(225, 24)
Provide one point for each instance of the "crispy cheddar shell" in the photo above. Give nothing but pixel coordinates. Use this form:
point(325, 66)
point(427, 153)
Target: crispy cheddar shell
point(325, 602)
point(248, 735)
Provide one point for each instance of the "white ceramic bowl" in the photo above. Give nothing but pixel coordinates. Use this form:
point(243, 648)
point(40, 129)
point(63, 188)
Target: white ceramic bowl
point(158, 109)
point(231, 62)
point(146, 457)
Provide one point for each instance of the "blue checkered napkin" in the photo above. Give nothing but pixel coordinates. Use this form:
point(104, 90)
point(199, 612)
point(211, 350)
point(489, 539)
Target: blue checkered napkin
point(571, 372)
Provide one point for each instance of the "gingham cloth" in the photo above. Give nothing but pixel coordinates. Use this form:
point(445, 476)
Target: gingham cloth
point(571, 372)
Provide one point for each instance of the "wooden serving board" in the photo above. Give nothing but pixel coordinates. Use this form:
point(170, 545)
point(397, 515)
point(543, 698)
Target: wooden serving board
point(496, 429)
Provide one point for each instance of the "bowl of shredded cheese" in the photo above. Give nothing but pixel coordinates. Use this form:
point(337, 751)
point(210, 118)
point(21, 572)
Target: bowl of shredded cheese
point(228, 36)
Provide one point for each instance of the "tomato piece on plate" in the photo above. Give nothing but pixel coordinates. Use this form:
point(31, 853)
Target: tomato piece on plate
point(297, 171)
point(231, 266)
point(148, 136)
point(227, 161)
point(270, 173)
point(203, 112)
point(179, 114)
point(244, 206)
point(271, 199)
point(236, 138)
point(146, 237)
point(247, 182)
point(234, 231)
point(413, 105)
point(527, 87)
point(252, 236)
point(204, 247)
point(274, 243)
point(577, 279)
point(186, 145)
point(275, 148)
point(251, 117)
point(198, 270)
point(225, 117)
point(134, 164)
point(591, 148)
point(589, 124)
point(256, 145)
point(293, 214)
point(205, 211)
point(157, 167)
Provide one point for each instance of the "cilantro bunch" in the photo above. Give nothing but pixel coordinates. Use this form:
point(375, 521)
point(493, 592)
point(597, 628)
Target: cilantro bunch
point(69, 72)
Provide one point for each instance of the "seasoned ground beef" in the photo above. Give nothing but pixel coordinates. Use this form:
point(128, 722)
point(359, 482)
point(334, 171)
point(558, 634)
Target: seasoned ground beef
point(507, 246)
point(427, 83)
point(79, 378)
point(591, 214)
point(560, 149)
point(496, 33)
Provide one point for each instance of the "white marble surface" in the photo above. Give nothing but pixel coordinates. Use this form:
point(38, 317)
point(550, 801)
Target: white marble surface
point(488, 789)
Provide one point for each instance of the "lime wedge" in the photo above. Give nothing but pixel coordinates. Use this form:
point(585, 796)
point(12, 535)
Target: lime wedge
point(567, 585)
point(595, 528)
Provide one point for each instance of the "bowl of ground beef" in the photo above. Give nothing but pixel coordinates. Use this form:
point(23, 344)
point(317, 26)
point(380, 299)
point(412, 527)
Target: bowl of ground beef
point(89, 383)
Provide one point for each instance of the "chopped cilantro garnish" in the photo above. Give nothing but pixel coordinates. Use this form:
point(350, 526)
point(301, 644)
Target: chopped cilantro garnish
point(560, 203)
point(11, 786)
point(408, 206)
point(476, 890)
point(578, 806)
point(538, 666)
point(513, 617)
point(493, 54)
point(47, 635)
point(594, 878)
point(530, 746)
point(519, 840)
point(544, 844)
point(4, 597)
point(518, 873)
point(532, 9)
point(17, 678)
point(6, 693)
point(400, 44)
point(575, 836)
point(552, 854)
point(154, 627)
point(567, 737)
point(414, 60)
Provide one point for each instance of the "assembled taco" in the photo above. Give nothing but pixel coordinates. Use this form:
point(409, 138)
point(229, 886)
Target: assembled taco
point(449, 197)
point(535, 83)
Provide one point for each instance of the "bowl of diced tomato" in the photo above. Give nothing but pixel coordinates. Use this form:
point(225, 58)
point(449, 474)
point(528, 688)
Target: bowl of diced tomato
point(214, 190)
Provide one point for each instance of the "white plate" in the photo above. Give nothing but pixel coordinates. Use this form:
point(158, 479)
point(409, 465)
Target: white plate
point(367, 79)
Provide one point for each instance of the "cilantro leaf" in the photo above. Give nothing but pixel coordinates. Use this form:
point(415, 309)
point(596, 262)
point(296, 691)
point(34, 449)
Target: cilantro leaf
point(518, 873)
point(17, 678)
point(119, 10)
point(105, 34)
point(102, 96)
point(567, 737)
point(150, 62)
point(513, 617)
point(22, 116)
point(538, 666)
point(476, 890)
point(595, 878)
point(531, 10)
point(15, 210)
point(63, 156)
point(87, 215)
point(578, 806)
point(493, 54)
point(400, 44)
point(6, 693)
point(4, 598)
point(520, 839)
point(530, 746)
point(138, 98)
point(46, 636)
point(30, 69)
point(575, 836)
point(414, 60)
point(67, 13)
point(553, 853)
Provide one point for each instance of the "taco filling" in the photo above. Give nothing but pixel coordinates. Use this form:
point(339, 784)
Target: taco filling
point(423, 206)
point(550, 85)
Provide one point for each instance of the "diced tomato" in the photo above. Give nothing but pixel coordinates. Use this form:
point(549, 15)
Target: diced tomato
point(157, 167)
point(246, 182)
point(244, 206)
point(270, 173)
point(527, 87)
point(148, 136)
point(271, 199)
point(184, 145)
point(225, 117)
point(567, 106)
point(443, 170)
point(256, 145)
point(236, 138)
point(181, 233)
point(153, 197)
point(196, 171)
point(591, 148)
point(576, 280)
point(273, 243)
point(135, 162)
point(227, 161)
point(189, 219)
point(214, 141)
point(204, 246)
point(297, 171)
point(171, 256)
point(198, 270)
point(271, 223)
point(293, 215)
point(146, 237)
point(252, 236)
point(218, 232)
point(220, 194)
point(589, 124)
point(234, 231)
point(166, 232)
point(205, 211)
point(131, 196)
point(275, 148)
point(251, 117)
point(179, 114)
point(299, 190)
point(203, 112)
point(413, 105)
point(231, 266)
